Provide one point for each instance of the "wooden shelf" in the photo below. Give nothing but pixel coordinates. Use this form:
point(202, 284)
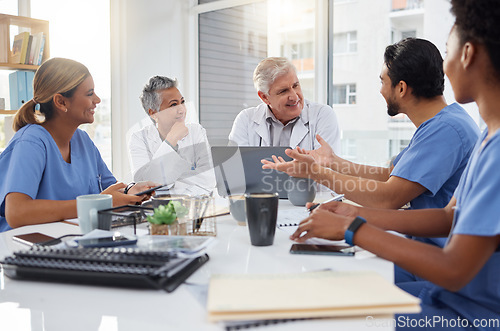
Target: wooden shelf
point(8, 112)
point(29, 24)
point(17, 66)
point(34, 26)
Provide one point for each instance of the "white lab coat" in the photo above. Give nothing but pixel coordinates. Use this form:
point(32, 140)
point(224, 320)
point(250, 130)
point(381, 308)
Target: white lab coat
point(250, 127)
point(190, 167)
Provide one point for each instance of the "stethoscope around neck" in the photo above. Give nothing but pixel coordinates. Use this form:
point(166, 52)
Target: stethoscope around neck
point(308, 132)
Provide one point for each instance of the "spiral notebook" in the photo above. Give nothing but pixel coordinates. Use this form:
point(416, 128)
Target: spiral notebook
point(292, 217)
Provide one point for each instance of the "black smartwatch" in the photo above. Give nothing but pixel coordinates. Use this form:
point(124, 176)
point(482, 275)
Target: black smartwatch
point(129, 186)
point(351, 230)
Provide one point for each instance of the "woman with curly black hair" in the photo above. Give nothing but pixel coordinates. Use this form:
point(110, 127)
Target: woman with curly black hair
point(462, 290)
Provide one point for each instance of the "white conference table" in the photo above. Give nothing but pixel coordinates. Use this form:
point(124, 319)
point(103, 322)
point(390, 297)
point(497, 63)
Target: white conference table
point(31, 305)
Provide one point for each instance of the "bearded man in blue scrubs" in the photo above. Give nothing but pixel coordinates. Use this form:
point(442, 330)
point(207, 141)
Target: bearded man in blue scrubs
point(426, 173)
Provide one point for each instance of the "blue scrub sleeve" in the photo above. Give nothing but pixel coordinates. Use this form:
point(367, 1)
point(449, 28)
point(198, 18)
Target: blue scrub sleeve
point(433, 156)
point(24, 166)
point(479, 211)
point(25, 170)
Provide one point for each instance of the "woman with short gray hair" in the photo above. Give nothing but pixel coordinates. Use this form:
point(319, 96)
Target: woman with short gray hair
point(150, 98)
point(169, 150)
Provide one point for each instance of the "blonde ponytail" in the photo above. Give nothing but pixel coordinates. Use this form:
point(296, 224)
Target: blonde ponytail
point(25, 115)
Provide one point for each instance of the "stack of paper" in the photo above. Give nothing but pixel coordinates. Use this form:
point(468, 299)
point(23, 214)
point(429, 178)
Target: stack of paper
point(305, 295)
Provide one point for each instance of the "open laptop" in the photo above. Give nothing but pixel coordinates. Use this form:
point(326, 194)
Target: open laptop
point(238, 170)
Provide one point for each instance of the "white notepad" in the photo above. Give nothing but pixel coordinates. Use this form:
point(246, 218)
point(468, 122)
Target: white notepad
point(304, 295)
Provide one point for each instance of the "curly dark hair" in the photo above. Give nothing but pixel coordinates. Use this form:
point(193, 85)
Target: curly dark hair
point(479, 21)
point(418, 63)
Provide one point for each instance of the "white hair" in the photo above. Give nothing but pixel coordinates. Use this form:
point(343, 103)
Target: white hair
point(268, 70)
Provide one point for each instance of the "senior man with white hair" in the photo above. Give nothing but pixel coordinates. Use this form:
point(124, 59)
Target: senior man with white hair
point(284, 118)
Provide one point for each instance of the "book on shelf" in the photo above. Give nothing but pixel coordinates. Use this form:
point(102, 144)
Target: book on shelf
point(34, 47)
point(247, 297)
point(4, 48)
point(27, 49)
point(19, 47)
point(39, 51)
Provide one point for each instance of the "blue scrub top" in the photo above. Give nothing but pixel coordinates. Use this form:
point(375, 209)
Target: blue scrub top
point(436, 157)
point(32, 164)
point(477, 213)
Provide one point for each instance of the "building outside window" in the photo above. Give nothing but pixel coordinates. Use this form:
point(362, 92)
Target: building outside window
point(358, 31)
point(346, 42)
point(233, 40)
point(344, 94)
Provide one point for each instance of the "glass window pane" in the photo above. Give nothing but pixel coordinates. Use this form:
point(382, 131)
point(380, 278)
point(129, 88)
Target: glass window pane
point(339, 94)
point(371, 26)
point(227, 63)
point(340, 43)
point(409, 34)
point(353, 42)
point(70, 37)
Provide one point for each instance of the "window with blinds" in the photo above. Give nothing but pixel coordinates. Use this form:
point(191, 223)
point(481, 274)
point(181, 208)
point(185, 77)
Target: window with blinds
point(231, 44)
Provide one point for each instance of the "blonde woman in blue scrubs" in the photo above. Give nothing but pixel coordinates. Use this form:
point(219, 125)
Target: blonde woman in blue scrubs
point(49, 162)
point(462, 290)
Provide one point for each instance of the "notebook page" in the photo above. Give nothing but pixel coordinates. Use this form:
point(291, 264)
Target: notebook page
point(322, 293)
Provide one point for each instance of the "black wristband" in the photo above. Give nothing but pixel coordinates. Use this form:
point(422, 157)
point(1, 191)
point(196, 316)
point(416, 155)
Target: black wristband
point(129, 186)
point(349, 233)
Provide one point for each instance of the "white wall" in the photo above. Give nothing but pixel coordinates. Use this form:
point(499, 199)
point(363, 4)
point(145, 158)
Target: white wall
point(147, 38)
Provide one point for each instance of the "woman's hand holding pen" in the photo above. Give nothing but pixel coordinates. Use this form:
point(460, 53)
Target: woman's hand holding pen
point(327, 220)
point(337, 207)
point(322, 223)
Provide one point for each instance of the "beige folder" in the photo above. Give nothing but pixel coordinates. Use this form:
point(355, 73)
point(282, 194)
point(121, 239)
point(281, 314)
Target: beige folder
point(305, 295)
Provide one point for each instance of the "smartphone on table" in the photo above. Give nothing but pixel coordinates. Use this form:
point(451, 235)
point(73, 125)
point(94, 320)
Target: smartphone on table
point(31, 239)
point(118, 240)
point(339, 250)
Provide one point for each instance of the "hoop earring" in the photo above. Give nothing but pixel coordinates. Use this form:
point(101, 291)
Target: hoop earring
point(66, 110)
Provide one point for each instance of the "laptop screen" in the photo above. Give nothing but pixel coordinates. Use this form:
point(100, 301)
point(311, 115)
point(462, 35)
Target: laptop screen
point(238, 170)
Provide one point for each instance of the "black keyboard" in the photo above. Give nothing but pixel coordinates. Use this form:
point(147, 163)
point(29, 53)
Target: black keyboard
point(117, 266)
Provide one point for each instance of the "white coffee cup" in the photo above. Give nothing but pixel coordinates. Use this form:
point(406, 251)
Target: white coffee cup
point(87, 207)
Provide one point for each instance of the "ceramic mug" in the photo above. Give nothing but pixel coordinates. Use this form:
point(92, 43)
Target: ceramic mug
point(262, 214)
point(300, 190)
point(87, 207)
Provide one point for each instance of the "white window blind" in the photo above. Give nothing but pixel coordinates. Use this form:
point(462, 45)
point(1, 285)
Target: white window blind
point(231, 44)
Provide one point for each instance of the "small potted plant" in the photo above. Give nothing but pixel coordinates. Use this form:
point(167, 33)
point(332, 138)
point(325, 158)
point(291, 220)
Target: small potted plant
point(165, 219)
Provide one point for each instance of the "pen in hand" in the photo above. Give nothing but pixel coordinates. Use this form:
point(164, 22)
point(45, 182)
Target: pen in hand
point(335, 198)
